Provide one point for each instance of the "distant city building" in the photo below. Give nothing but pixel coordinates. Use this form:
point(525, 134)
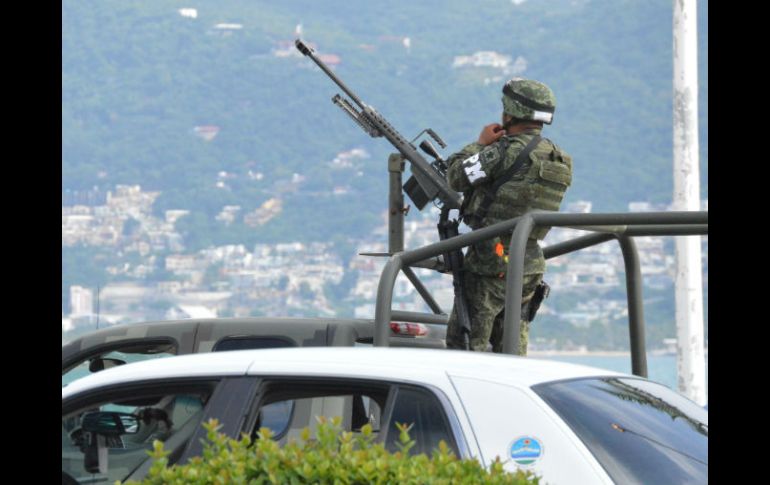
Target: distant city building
point(180, 312)
point(228, 214)
point(169, 286)
point(189, 12)
point(77, 221)
point(181, 262)
point(206, 132)
point(81, 301)
point(226, 26)
point(482, 58)
point(255, 175)
point(291, 249)
point(346, 159)
point(265, 212)
point(77, 210)
point(124, 204)
point(125, 293)
point(131, 198)
point(595, 275)
point(173, 215)
point(579, 207)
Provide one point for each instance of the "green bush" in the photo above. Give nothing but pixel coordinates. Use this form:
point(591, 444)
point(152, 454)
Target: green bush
point(334, 456)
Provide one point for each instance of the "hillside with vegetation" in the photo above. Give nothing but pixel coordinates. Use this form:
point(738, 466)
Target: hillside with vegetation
point(141, 82)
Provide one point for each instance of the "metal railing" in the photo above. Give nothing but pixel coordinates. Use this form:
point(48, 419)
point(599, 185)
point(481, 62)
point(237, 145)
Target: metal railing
point(620, 226)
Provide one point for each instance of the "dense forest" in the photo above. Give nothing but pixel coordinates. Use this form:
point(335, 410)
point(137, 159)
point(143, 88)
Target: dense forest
point(138, 77)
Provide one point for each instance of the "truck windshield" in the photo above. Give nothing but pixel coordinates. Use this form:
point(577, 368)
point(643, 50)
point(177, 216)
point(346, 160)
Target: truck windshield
point(640, 431)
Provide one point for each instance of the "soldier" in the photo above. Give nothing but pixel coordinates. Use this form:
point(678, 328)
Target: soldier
point(510, 170)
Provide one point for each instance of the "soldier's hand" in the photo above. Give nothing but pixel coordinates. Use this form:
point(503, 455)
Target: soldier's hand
point(491, 133)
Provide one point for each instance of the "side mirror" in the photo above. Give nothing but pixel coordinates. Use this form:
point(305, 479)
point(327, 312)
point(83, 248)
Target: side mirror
point(108, 423)
point(100, 363)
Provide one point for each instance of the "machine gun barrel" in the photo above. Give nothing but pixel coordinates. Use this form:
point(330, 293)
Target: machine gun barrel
point(307, 51)
point(430, 181)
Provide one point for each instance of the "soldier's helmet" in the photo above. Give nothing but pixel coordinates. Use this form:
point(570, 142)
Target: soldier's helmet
point(526, 99)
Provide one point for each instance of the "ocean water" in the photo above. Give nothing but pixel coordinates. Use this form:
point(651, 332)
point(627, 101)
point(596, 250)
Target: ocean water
point(660, 368)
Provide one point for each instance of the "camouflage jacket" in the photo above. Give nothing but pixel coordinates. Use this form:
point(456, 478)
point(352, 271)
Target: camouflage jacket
point(540, 183)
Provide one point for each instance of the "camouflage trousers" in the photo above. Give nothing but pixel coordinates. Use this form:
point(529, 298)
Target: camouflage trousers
point(485, 297)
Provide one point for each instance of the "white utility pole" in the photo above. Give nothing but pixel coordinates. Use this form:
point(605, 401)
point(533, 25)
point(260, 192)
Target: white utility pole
point(691, 363)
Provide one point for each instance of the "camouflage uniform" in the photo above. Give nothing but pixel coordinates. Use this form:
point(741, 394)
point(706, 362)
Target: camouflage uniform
point(539, 183)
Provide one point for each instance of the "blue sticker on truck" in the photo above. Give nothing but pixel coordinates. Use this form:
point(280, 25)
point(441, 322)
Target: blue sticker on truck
point(526, 450)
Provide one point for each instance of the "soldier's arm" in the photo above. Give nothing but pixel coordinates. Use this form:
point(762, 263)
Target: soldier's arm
point(479, 166)
point(462, 178)
point(455, 174)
